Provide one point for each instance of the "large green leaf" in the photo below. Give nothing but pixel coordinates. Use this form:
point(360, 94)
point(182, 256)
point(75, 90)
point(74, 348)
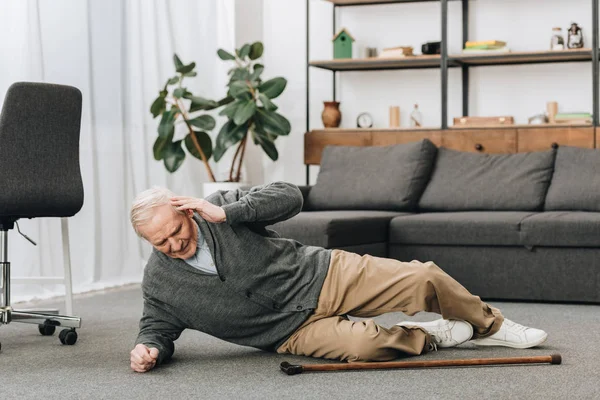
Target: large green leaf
point(167, 124)
point(244, 112)
point(273, 123)
point(258, 69)
point(231, 109)
point(205, 122)
point(186, 68)
point(266, 102)
point(224, 55)
point(174, 156)
point(173, 80)
point(256, 50)
point(240, 74)
point(204, 141)
point(158, 106)
point(160, 144)
point(177, 61)
point(200, 103)
point(229, 135)
point(244, 51)
point(267, 145)
point(179, 92)
point(240, 90)
point(273, 87)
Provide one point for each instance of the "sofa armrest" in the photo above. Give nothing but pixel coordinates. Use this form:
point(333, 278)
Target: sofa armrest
point(304, 190)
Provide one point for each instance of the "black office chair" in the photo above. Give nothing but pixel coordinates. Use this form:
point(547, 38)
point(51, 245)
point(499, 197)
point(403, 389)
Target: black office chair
point(39, 177)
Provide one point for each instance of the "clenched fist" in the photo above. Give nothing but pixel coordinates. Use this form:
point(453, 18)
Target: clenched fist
point(207, 210)
point(143, 358)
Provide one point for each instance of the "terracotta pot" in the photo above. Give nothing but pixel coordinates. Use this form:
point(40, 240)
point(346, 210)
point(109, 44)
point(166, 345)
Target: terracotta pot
point(331, 115)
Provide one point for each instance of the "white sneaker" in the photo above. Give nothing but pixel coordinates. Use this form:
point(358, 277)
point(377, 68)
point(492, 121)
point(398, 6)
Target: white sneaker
point(444, 333)
point(514, 335)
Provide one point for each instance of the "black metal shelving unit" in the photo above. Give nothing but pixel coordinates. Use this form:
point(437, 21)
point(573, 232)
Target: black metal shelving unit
point(446, 61)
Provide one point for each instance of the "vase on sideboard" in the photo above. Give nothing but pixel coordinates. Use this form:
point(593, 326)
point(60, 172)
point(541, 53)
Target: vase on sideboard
point(331, 115)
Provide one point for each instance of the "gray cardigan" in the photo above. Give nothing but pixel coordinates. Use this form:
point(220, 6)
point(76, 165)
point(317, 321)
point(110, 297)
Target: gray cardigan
point(266, 286)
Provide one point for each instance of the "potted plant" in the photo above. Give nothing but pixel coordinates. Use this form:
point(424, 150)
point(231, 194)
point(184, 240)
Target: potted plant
point(248, 107)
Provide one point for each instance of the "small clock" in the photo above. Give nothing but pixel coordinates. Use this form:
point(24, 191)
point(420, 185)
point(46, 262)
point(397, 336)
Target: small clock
point(364, 120)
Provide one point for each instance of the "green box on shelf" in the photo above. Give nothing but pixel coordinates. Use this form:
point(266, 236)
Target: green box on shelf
point(342, 44)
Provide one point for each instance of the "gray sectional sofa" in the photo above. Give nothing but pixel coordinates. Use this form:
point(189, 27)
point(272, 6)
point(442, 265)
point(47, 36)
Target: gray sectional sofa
point(522, 226)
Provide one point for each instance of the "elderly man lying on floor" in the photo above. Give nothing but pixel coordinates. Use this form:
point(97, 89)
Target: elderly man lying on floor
point(216, 268)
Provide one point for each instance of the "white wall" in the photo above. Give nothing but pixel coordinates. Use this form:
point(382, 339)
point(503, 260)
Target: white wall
point(520, 91)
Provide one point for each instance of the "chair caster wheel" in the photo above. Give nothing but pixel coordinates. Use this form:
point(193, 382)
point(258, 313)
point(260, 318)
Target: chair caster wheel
point(46, 330)
point(68, 336)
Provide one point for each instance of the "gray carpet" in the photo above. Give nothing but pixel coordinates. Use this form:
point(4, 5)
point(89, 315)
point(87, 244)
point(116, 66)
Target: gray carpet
point(97, 367)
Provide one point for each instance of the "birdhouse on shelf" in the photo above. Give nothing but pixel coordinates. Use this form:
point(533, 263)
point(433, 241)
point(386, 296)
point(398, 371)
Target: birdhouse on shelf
point(342, 44)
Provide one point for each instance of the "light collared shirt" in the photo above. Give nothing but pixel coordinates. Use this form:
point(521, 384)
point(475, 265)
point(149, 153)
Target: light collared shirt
point(202, 260)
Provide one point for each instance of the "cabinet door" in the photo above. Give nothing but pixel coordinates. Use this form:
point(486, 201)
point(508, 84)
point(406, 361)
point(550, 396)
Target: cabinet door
point(481, 140)
point(545, 138)
point(391, 137)
point(315, 141)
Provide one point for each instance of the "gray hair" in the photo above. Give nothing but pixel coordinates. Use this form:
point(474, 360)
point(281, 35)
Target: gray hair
point(141, 208)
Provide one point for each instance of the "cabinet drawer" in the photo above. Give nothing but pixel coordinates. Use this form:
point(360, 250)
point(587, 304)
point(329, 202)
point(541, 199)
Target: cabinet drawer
point(538, 139)
point(481, 140)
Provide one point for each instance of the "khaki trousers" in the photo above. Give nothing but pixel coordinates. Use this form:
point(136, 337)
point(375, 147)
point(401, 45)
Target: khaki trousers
point(367, 286)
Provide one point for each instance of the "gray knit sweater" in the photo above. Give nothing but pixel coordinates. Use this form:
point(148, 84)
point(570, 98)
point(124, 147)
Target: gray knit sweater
point(266, 286)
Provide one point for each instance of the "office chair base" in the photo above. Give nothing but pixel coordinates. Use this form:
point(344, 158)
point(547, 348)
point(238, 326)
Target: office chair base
point(46, 320)
point(8, 315)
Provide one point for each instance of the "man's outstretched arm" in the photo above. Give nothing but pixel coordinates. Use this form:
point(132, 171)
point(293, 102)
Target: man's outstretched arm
point(154, 343)
point(265, 204)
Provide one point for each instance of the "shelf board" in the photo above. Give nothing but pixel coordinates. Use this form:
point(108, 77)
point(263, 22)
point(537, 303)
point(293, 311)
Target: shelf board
point(520, 126)
point(342, 3)
point(376, 63)
point(357, 130)
point(437, 128)
point(522, 57)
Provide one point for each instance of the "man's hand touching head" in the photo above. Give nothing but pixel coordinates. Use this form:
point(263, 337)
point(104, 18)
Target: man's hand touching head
point(207, 210)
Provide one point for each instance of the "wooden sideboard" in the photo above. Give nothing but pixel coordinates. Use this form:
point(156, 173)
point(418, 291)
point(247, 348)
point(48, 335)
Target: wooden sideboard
point(496, 140)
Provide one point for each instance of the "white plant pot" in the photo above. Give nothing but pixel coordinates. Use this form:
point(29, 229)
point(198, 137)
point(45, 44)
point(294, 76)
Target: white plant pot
point(211, 187)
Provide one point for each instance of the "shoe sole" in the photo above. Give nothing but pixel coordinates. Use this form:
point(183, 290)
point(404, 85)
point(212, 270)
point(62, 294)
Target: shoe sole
point(408, 325)
point(495, 342)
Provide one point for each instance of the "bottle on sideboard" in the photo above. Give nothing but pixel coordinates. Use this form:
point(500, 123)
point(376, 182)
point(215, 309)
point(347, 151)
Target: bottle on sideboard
point(416, 119)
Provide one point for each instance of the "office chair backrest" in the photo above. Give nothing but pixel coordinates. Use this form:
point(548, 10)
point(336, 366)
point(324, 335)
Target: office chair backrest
point(39, 151)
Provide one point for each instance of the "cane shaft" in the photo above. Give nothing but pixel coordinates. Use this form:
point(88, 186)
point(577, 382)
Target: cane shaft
point(553, 359)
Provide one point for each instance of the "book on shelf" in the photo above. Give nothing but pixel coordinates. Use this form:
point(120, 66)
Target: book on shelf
point(497, 43)
point(573, 115)
point(498, 50)
point(396, 52)
point(573, 121)
point(484, 47)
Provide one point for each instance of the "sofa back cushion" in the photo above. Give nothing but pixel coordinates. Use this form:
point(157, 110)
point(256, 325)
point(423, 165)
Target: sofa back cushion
point(372, 178)
point(463, 181)
point(575, 184)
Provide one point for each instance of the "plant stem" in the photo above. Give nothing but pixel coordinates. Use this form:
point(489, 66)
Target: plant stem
point(237, 151)
point(239, 169)
point(196, 144)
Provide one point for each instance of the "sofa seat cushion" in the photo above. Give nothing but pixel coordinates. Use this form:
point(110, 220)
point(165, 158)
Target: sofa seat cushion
point(464, 181)
point(372, 178)
point(476, 228)
point(331, 229)
point(562, 229)
point(575, 184)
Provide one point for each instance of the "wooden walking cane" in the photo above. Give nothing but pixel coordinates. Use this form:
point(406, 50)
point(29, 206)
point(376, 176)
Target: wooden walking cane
point(298, 369)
